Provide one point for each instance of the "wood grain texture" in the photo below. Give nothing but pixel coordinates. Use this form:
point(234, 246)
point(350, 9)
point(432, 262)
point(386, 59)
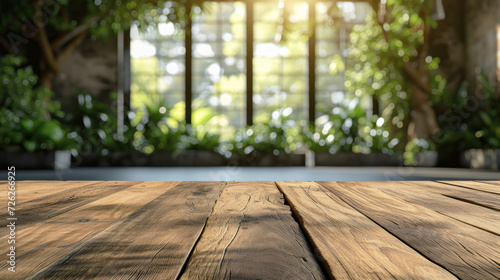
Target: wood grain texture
point(465, 251)
point(48, 243)
point(152, 243)
point(251, 234)
point(352, 246)
point(466, 195)
point(454, 207)
point(496, 183)
point(473, 185)
point(38, 205)
point(206, 230)
point(28, 190)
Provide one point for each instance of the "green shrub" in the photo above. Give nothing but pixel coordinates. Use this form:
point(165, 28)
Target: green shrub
point(26, 112)
point(349, 129)
point(472, 120)
point(278, 135)
point(416, 146)
point(94, 124)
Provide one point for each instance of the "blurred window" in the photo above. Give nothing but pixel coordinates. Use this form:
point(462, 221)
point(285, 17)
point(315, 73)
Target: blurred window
point(280, 59)
point(219, 52)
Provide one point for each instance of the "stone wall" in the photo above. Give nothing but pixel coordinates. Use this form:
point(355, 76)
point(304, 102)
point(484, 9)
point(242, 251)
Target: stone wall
point(482, 37)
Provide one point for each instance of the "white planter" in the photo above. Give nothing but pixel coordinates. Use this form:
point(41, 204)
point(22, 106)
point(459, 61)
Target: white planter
point(481, 159)
point(58, 160)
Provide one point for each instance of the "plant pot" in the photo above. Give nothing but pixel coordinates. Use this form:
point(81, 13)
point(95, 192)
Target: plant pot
point(269, 160)
point(37, 160)
point(481, 159)
point(353, 159)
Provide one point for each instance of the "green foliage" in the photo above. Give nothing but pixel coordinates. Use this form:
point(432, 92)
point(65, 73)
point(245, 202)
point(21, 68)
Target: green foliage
point(279, 135)
point(199, 139)
point(94, 126)
point(473, 119)
point(104, 17)
point(157, 130)
point(349, 129)
point(485, 122)
point(378, 51)
point(25, 112)
point(151, 128)
point(414, 147)
point(199, 136)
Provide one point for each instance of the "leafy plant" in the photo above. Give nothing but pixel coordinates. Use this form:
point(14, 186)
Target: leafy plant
point(94, 126)
point(349, 129)
point(58, 27)
point(416, 146)
point(279, 135)
point(157, 130)
point(199, 135)
point(473, 119)
point(485, 122)
point(25, 112)
point(389, 59)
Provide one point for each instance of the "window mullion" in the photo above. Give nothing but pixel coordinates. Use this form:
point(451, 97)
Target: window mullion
point(312, 63)
point(249, 62)
point(189, 65)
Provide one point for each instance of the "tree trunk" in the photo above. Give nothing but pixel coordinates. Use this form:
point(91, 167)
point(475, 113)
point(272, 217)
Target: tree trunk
point(46, 79)
point(423, 119)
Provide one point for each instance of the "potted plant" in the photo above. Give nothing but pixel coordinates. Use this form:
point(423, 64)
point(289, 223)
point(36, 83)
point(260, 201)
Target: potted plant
point(30, 137)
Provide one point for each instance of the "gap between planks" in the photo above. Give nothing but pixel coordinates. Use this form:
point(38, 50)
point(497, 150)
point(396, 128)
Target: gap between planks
point(251, 234)
point(477, 209)
point(490, 187)
point(350, 245)
point(153, 242)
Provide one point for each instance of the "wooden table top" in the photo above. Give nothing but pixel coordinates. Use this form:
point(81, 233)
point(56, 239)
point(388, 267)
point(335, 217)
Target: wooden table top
point(253, 230)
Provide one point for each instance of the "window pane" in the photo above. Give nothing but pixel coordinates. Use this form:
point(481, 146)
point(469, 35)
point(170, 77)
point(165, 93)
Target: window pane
point(219, 66)
point(157, 65)
point(334, 24)
point(280, 60)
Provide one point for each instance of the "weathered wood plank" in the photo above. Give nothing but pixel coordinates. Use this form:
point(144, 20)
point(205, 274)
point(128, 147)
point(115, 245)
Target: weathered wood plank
point(451, 204)
point(465, 251)
point(28, 190)
point(4, 198)
point(45, 244)
point(46, 206)
point(352, 246)
point(496, 183)
point(152, 243)
point(471, 196)
point(473, 185)
point(251, 234)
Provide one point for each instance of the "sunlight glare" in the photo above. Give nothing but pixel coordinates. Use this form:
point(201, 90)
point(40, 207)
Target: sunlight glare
point(141, 49)
point(166, 29)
